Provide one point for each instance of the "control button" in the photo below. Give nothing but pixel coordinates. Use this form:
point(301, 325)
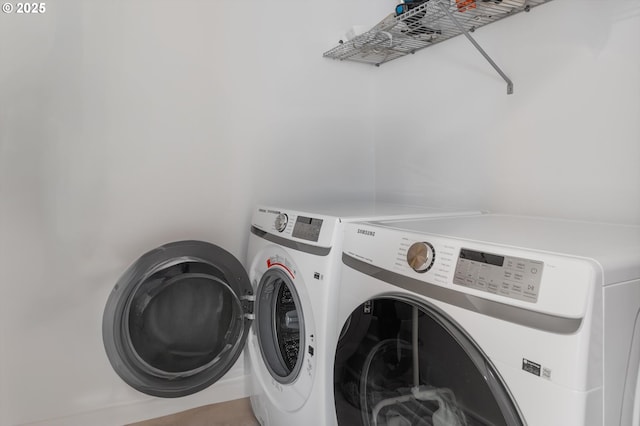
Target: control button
point(492, 287)
point(420, 256)
point(281, 222)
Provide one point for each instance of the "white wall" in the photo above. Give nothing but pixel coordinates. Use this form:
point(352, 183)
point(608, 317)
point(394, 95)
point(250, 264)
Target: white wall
point(566, 143)
point(124, 125)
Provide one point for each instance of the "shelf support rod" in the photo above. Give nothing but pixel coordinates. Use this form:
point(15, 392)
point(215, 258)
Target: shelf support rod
point(477, 46)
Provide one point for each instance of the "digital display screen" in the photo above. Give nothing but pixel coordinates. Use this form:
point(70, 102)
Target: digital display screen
point(507, 276)
point(307, 228)
point(476, 256)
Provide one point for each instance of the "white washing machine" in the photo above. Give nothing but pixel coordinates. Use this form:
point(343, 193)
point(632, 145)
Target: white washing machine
point(489, 320)
point(180, 316)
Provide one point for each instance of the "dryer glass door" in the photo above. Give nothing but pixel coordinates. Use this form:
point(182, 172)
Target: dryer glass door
point(176, 321)
point(407, 363)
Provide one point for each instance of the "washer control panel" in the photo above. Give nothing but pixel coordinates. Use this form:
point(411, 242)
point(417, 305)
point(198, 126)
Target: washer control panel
point(513, 277)
point(307, 228)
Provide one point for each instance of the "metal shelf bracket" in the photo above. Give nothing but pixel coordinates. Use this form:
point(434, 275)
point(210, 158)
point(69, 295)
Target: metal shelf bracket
point(477, 46)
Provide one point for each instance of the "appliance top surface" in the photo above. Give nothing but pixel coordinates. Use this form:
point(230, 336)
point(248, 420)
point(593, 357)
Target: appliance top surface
point(613, 246)
point(350, 211)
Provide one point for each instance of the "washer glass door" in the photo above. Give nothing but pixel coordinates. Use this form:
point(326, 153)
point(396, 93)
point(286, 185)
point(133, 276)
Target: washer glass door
point(408, 363)
point(177, 319)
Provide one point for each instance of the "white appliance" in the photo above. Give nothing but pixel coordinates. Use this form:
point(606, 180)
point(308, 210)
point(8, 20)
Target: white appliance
point(490, 319)
point(180, 316)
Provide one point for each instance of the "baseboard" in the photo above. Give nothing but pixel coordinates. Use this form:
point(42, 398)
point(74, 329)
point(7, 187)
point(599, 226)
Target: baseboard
point(224, 390)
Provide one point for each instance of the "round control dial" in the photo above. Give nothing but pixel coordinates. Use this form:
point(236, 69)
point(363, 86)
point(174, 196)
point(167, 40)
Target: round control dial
point(421, 256)
point(281, 222)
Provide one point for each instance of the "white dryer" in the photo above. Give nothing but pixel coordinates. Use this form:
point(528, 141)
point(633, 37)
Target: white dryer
point(489, 320)
point(180, 316)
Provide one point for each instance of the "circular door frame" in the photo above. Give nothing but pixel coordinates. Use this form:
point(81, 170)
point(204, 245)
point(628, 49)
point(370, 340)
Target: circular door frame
point(230, 277)
point(290, 394)
point(266, 325)
point(507, 404)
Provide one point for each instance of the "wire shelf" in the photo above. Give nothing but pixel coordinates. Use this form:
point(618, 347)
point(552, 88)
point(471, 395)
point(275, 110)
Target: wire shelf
point(430, 23)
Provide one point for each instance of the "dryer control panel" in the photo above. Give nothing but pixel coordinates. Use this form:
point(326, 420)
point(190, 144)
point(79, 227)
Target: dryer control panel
point(509, 276)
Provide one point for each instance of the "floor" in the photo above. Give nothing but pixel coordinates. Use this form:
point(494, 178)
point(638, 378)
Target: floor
point(231, 413)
